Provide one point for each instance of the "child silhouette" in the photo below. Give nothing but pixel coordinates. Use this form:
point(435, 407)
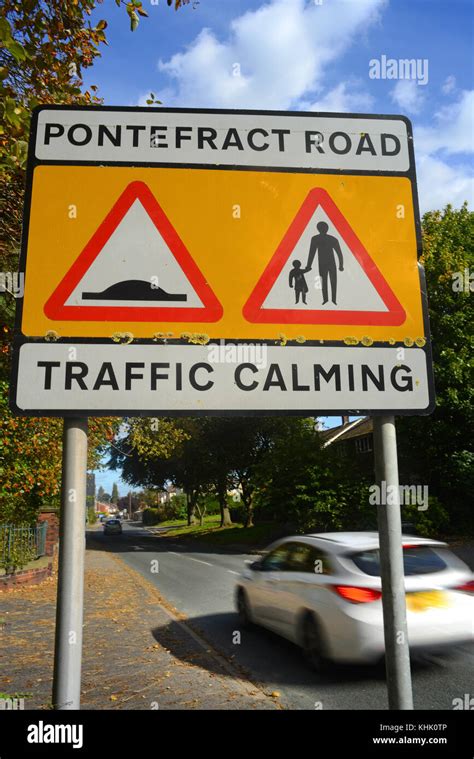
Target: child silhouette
point(298, 281)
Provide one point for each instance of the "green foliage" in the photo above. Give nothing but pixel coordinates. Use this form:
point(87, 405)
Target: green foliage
point(212, 504)
point(102, 496)
point(151, 440)
point(439, 448)
point(178, 508)
point(151, 516)
point(91, 515)
point(308, 487)
point(45, 49)
point(19, 509)
point(433, 521)
point(175, 508)
point(30, 460)
point(115, 494)
point(16, 547)
point(148, 497)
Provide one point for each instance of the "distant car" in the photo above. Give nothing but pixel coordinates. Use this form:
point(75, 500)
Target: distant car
point(112, 527)
point(323, 592)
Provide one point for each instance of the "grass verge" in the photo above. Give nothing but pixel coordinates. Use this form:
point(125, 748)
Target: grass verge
point(210, 532)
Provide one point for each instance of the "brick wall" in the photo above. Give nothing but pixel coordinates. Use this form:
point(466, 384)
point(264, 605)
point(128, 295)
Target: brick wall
point(25, 577)
point(52, 532)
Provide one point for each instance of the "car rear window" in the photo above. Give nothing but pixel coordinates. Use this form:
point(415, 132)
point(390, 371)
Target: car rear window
point(417, 560)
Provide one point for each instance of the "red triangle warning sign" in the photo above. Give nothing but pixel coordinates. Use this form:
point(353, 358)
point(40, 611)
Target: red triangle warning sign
point(321, 273)
point(134, 268)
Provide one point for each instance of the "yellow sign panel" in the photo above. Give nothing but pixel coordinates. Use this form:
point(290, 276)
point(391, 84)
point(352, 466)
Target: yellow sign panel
point(249, 255)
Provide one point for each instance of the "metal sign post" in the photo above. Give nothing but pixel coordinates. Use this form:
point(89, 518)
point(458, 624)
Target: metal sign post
point(397, 653)
point(69, 609)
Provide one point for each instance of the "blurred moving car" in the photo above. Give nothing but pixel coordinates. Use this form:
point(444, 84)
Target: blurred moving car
point(112, 527)
point(323, 592)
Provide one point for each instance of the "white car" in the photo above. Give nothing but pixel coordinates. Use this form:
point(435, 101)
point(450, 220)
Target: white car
point(323, 592)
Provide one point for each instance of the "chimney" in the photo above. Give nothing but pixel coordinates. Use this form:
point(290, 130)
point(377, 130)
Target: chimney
point(345, 420)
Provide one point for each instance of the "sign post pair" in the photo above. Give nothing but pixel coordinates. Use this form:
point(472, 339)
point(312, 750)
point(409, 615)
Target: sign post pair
point(188, 262)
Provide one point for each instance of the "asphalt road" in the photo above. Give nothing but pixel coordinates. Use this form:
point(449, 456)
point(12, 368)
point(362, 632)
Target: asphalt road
point(200, 583)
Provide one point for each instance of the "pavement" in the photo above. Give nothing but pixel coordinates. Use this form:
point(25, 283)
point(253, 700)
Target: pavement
point(138, 653)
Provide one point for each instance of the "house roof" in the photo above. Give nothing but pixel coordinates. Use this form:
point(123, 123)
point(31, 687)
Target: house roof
point(357, 428)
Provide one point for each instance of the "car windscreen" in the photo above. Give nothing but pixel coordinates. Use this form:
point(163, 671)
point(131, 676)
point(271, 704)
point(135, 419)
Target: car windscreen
point(112, 521)
point(417, 560)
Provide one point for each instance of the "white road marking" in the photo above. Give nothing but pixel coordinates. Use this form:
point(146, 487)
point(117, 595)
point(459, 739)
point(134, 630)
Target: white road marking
point(174, 553)
point(138, 548)
point(231, 571)
point(199, 560)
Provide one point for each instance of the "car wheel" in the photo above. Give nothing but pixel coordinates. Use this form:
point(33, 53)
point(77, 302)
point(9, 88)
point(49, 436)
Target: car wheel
point(313, 645)
point(243, 609)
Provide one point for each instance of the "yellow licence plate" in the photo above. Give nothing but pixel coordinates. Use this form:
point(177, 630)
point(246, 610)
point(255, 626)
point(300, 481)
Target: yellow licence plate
point(427, 600)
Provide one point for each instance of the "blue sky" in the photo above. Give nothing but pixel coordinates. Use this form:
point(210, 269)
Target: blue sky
point(307, 55)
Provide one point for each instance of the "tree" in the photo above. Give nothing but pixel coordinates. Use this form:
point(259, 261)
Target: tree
point(439, 447)
point(217, 441)
point(101, 494)
point(254, 438)
point(45, 48)
point(173, 452)
point(30, 460)
point(115, 494)
point(303, 486)
point(148, 497)
point(276, 464)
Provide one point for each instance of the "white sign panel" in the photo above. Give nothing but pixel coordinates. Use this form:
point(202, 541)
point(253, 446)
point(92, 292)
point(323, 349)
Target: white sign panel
point(242, 377)
point(224, 138)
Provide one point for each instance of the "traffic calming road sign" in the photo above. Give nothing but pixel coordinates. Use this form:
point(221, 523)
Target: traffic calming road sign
point(293, 232)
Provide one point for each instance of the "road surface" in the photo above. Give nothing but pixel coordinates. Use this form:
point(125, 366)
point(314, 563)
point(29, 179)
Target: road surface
point(201, 582)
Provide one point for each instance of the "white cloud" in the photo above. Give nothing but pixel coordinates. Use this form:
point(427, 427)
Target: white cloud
point(282, 49)
point(345, 98)
point(408, 95)
point(452, 134)
point(440, 184)
point(448, 85)
point(277, 56)
point(453, 131)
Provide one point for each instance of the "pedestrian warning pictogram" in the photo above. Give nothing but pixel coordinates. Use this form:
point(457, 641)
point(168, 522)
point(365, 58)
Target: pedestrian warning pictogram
point(321, 273)
point(135, 267)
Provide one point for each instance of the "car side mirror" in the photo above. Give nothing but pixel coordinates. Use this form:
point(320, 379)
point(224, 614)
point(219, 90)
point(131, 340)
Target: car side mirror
point(256, 565)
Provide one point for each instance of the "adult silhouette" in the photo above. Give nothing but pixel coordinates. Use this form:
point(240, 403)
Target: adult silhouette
point(326, 246)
